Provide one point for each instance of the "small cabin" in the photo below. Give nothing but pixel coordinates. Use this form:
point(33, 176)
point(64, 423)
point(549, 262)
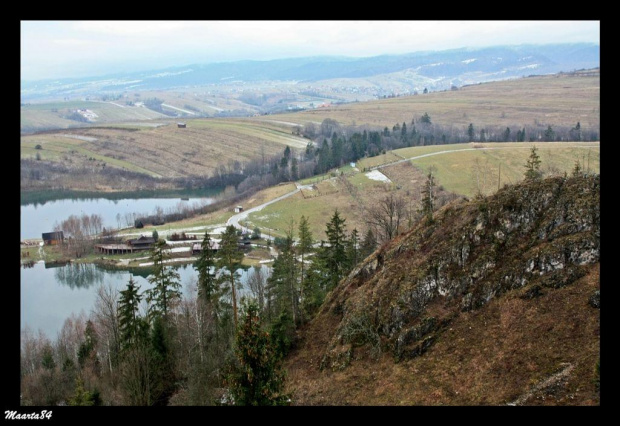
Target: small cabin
point(181, 125)
point(52, 238)
point(142, 243)
point(238, 209)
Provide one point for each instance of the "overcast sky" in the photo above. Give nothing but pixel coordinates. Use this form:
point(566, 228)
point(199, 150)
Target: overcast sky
point(57, 49)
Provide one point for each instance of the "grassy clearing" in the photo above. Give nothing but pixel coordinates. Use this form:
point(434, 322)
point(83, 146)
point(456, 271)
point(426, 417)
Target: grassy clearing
point(55, 147)
point(460, 172)
point(368, 162)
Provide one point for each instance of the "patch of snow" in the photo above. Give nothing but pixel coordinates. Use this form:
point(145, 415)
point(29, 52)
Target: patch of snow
point(468, 61)
point(377, 175)
point(182, 259)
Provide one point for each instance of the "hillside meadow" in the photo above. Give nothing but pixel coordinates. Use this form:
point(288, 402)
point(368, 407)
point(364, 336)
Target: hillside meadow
point(557, 100)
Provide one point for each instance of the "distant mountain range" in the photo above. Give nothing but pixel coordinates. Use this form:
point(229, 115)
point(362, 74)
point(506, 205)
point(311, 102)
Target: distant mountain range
point(437, 69)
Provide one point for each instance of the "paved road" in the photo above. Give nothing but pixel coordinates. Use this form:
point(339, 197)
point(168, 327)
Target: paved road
point(234, 220)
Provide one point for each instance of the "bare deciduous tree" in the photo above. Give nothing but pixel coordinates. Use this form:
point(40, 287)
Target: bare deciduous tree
point(387, 216)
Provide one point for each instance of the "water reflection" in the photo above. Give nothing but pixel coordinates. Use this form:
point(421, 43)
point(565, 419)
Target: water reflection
point(50, 295)
point(79, 275)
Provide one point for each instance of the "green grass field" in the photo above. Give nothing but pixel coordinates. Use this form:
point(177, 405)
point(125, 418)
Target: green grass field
point(484, 170)
point(461, 172)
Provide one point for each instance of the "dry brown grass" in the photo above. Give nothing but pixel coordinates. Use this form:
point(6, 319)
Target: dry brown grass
point(486, 357)
point(172, 152)
point(556, 100)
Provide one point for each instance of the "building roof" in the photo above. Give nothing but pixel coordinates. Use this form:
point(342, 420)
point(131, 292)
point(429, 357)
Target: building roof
point(215, 245)
point(142, 240)
point(47, 236)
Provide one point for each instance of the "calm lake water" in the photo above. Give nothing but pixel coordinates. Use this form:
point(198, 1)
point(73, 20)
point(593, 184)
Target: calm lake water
point(39, 218)
point(50, 295)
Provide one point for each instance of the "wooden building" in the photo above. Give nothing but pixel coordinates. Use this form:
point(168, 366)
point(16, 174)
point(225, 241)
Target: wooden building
point(181, 125)
point(142, 243)
point(197, 248)
point(137, 244)
point(52, 238)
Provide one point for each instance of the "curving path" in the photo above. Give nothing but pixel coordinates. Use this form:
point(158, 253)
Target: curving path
point(234, 220)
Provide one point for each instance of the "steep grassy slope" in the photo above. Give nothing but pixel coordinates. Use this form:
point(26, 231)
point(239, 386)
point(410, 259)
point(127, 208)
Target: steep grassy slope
point(495, 302)
point(166, 150)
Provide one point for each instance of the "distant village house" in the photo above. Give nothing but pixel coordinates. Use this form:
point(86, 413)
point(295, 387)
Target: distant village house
point(181, 125)
point(238, 209)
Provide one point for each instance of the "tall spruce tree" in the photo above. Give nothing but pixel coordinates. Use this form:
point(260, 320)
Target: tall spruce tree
point(208, 287)
point(282, 284)
point(369, 244)
point(428, 197)
point(304, 247)
point(257, 377)
point(229, 257)
point(129, 320)
point(336, 259)
point(165, 280)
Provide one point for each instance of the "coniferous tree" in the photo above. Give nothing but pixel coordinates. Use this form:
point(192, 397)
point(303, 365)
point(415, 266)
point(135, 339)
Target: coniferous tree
point(532, 166)
point(136, 373)
point(86, 351)
point(369, 244)
point(128, 305)
point(165, 280)
point(257, 378)
point(294, 169)
point(336, 259)
point(549, 134)
point(282, 284)
point(304, 247)
point(428, 197)
point(208, 287)
point(507, 134)
point(162, 383)
point(470, 132)
point(81, 397)
point(229, 257)
point(353, 250)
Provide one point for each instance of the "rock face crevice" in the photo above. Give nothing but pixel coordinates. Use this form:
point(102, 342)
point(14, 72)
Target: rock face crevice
point(528, 237)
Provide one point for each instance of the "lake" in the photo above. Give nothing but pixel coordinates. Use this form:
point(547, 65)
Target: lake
point(50, 295)
point(37, 218)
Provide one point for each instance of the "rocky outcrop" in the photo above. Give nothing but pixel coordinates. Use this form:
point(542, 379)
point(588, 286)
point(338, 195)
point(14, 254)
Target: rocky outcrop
point(531, 238)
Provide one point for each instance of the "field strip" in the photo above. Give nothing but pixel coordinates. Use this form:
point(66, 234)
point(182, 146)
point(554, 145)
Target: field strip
point(178, 109)
point(82, 138)
point(474, 149)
